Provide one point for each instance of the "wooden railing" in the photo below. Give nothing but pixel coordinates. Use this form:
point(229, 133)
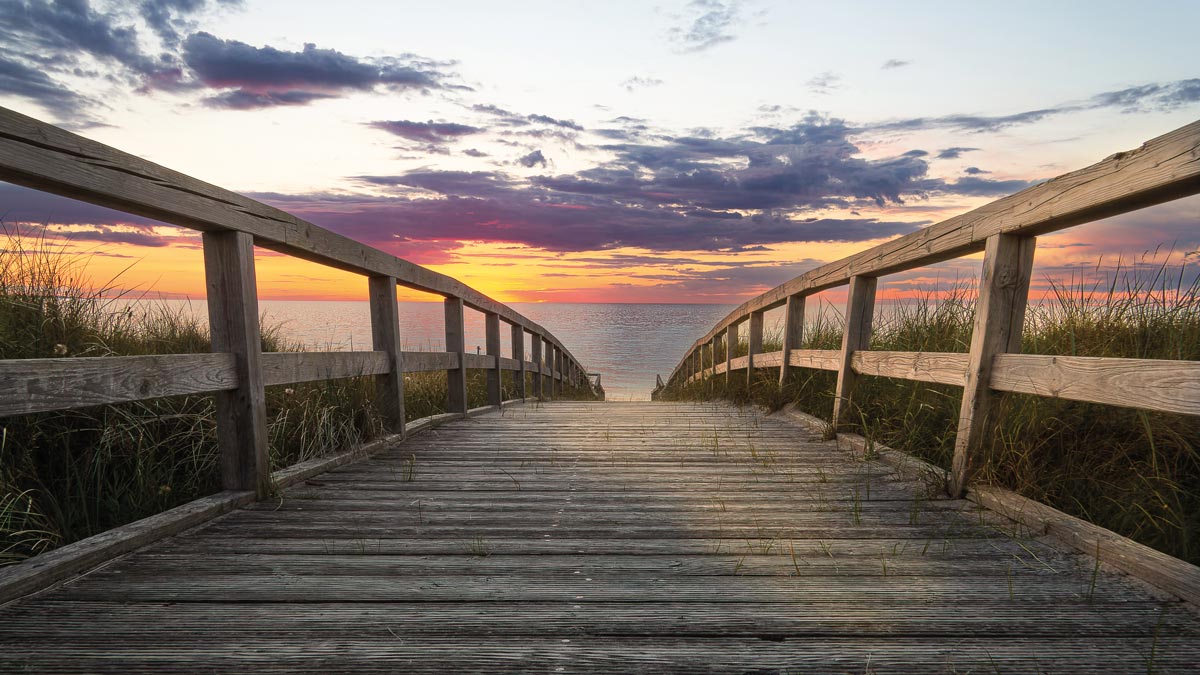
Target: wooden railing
point(44, 157)
point(1163, 169)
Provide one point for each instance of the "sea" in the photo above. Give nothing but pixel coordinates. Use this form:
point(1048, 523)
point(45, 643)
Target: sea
point(628, 344)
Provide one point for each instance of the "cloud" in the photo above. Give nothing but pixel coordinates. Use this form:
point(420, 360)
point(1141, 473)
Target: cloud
point(533, 159)
point(241, 99)
point(974, 170)
point(18, 79)
point(710, 23)
point(426, 132)
point(983, 187)
point(954, 153)
point(1142, 98)
point(894, 63)
point(293, 77)
point(512, 119)
point(638, 82)
point(170, 18)
point(824, 83)
point(472, 152)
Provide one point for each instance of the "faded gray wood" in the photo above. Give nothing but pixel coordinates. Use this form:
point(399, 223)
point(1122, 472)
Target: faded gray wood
point(937, 367)
point(731, 340)
point(491, 328)
point(860, 310)
point(793, 330)
point(456, 343)
point(1162, 169)
point(754, 340)
point(819, 359)
point(47, 158)
point(1150, 384)
point(385, 337)
point(292, 367)
point(423, 362)
point(999, 317)
point(654, 537)
point(518, 353)
point(36, 385)
point(538, 380)
point(241, 413)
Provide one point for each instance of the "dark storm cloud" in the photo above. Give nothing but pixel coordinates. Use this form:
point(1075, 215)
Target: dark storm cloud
point(170, 18)
point(709, 23)
point(427, 132)
point(19, 79)
point(954, 153)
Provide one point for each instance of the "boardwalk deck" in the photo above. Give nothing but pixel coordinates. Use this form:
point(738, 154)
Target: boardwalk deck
point(604, 537)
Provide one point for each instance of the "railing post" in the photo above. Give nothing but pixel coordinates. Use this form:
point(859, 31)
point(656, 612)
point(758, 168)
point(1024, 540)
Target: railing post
point(755, 342)
point(233, 320)
point(712, 363)
point(456, 343)
point(549, 370)
point(731, 339)
point(999, 319)
point(556, 368)
point(539, 367)
point(385, 337)
point(518, 353)
point(793, 328)
point(491, 323)
point(860, 309)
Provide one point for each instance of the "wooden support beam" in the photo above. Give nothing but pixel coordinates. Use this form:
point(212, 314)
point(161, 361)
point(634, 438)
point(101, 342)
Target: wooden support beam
point(754, 340)
point(999, 316)
point(731, 340)
point(491, 323)
point(518, 353)
point(233, 320)
point(860, 309)
point(456, 342)
point(793, 328)
point(385, 337)
point(538, 366)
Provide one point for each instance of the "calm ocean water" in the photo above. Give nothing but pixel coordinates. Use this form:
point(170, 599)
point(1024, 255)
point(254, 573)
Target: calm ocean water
point(626, 343)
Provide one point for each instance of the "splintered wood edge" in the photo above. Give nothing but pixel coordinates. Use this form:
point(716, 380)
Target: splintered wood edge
point(1177, 578)
point(41, 571)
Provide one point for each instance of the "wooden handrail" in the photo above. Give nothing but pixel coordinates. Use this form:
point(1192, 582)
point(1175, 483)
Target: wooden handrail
point(1162, 169)
point(47, 158)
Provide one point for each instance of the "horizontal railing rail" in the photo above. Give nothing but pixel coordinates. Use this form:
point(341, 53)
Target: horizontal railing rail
point(44, 157)
point(1161, 170)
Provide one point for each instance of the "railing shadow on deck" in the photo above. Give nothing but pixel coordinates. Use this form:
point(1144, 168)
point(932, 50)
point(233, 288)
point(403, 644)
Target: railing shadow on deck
point(41, 156)
point(1161, 170)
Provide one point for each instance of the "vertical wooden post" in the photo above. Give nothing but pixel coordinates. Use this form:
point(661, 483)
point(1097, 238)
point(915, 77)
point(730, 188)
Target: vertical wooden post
point(712, 363)
point(860, 309)
point(999, 319)
point(233, 320)
point(793, 328)
point(731, 340)
point(558, 372)
point(456, 342)
point(518, 353)
point(755, 341)
point(385, 337)
point(539, 367)
point(491, 324)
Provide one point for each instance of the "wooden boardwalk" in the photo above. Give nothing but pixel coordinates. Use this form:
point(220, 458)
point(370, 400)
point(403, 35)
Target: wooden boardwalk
point(604, 538)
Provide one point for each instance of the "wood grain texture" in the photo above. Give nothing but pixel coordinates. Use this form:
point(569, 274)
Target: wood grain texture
point(599, 538)
point(856, 336)
point(819, 359)
point(456, 344)
point(241, 413)
point(999, 319)
point(1163, 385)
point(491, 330)
point(937, 367)
point(291, 367)
point(1162, 169)
point(517, 343)
point(47, 158)
point(754, 340)
point(385, 338)
point(37, 385)
point(793, 330)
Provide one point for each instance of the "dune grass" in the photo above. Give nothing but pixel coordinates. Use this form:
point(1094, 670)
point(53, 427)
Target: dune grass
point(1132, 471)
point(69, 474)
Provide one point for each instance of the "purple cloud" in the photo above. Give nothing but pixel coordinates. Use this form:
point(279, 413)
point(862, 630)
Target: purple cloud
point(426, 132)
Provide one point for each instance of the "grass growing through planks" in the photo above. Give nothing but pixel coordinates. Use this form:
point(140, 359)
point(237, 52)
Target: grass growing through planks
point(1134, 472)
point(70, 474)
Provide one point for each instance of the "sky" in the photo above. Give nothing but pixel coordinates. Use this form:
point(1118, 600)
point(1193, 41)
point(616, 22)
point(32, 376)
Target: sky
point(688, 151)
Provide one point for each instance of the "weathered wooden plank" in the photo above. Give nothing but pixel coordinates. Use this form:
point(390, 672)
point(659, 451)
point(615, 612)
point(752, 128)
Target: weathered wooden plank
point(291, 367)
point(456, 343)
point(241, 413)
point(731, 342)
point(535, 345)
point(1167, 386)
point(754, 342)
point(37, 385)
point(860, 310)
point(820, 359)
point(1162, 169)
point(517, 344)
point(421, 362)
point(491, 329)
point(937, 367)
point(385, 338)
point(793, 329)
point(999, 317)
